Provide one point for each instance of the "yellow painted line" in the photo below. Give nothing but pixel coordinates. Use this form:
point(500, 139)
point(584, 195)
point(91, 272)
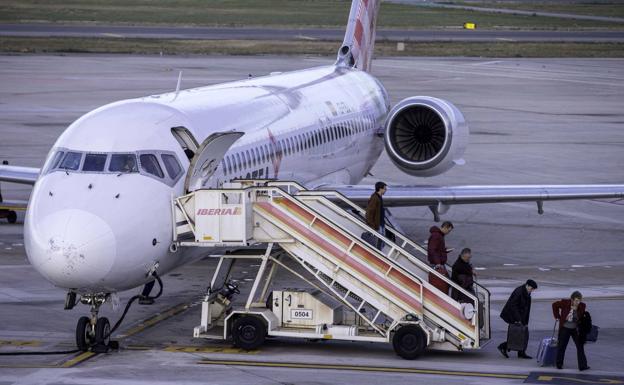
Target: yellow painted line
point(208, 349)
point(363, 368)
point(154, 320)
point(27, 366)
point(77, 360)
point(579, 380)
point(12, 208)
point(19, 343)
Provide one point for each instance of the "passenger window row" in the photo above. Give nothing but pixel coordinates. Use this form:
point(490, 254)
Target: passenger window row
point(236, 163)
point(118, 163)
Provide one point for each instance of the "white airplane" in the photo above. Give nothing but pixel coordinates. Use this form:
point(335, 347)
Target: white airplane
point(99, 217)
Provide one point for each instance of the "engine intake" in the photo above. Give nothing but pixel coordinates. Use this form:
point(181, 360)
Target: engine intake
point(425, 136)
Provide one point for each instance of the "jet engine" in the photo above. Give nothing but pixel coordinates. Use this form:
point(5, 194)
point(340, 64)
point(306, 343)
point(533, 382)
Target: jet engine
point(425, 136)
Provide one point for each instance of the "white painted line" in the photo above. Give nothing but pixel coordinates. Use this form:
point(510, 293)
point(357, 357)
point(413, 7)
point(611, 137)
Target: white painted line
point(485, 63)
point(510, 264)
point(303, 37)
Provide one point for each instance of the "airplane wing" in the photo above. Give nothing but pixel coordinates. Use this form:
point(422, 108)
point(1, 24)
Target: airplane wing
point(17, 174)
point(439, 199)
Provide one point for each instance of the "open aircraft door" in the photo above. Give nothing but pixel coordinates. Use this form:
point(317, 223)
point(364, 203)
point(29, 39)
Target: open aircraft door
point(207, 159)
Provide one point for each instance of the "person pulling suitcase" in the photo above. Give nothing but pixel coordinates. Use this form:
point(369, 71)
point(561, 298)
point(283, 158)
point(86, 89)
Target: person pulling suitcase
point(516, 314)
point(569, 313)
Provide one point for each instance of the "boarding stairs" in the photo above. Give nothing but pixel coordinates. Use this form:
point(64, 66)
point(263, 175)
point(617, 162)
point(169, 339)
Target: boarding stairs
point(322, 232)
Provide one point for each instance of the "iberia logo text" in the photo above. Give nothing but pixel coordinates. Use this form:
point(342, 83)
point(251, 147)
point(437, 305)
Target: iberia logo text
point(227, 211)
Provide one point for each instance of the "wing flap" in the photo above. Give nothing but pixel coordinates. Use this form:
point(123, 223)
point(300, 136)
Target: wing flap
point(445, 196)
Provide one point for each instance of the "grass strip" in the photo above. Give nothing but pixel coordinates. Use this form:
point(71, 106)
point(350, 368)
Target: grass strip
point(589, 8)
point(269, 13)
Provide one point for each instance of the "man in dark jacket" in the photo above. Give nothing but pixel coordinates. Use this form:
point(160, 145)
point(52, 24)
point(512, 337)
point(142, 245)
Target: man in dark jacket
point(463, 276)
point(375, 211)
point(517, 311)
point(437, 254)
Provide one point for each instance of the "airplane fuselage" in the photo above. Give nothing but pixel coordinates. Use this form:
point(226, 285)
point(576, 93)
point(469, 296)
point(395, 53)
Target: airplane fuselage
point(100, 213)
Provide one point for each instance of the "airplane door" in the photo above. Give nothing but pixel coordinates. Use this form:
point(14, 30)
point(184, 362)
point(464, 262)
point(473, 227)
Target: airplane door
point(207, 159)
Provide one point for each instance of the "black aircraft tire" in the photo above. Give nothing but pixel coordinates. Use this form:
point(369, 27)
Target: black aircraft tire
point(83, 334)
point(248, 332)
point(409, 342)
point(102, 331)
point(12, 217)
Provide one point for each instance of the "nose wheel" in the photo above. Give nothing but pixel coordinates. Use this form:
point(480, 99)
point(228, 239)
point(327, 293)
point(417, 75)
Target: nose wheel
point(93, 333)
point(84, 334)
point(102, 331)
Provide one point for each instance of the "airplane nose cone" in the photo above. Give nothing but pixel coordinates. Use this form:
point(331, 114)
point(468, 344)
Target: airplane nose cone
point(71, 248)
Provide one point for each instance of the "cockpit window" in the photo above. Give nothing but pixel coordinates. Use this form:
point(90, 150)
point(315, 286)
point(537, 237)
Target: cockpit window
point(171, 165)
point(149, 164)
point(71, 161)
point(123, 163)
point(56, 159)
point(94, 162)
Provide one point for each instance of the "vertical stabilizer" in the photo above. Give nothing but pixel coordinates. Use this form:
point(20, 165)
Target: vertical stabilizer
point(359, 41)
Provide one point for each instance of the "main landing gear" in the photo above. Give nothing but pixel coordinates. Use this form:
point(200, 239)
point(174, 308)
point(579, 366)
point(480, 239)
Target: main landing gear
point(93, 332)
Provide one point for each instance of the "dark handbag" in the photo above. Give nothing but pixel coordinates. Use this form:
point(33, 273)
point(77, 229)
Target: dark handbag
point(369, 238)
point(592, 336)
point(517, 337)
point(587, 330)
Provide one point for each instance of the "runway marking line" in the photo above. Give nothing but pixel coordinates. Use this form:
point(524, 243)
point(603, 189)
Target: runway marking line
point(82, 357)
point(208, 349)
point(77, 359)
point(362, 368)
point(19, 343)
point(154, 320)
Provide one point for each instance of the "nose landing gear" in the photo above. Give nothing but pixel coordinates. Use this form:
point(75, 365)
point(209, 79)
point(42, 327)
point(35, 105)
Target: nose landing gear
point(93, 332)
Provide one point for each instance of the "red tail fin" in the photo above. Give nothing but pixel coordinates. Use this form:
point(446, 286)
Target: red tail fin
point(359, 41)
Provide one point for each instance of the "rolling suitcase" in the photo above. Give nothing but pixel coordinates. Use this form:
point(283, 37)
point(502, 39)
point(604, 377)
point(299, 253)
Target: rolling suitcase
point(517, 337)
point(547, 350)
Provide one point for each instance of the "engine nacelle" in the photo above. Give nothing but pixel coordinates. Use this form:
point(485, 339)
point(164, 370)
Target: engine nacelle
point(425, 136)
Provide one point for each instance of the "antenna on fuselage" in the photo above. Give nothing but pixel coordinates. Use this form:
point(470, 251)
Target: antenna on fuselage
point(179, 82)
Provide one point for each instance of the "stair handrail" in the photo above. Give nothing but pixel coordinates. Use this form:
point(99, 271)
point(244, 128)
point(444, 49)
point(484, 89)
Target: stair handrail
point(336, 209)
point(323, 193)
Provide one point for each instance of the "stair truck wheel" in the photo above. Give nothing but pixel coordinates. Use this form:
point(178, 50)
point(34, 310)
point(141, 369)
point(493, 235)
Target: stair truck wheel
point(102, 331)
point(409, 341)
point(248, 332)
point(83, 334)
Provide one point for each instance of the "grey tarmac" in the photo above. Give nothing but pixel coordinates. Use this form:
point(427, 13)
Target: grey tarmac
point(532, 121)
